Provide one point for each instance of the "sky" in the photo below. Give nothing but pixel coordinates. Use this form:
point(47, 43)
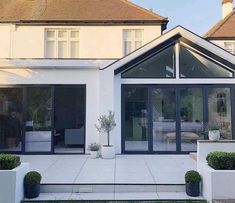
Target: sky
point(196, 15)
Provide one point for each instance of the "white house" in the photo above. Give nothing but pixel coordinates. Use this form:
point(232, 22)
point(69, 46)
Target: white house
point(64, 63)
point(223, 33)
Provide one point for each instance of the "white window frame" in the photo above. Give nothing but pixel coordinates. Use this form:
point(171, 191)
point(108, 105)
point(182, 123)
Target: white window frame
point(230, 43)
point(132, 39)
point(56, 39)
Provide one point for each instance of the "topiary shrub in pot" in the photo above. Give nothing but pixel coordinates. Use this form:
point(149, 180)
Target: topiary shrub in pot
point(32, 184)
point(192, 183)
point(8, 161)
point(94, 149)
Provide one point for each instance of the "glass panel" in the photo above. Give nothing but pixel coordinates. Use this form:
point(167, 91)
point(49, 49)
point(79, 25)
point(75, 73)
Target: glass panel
point(50, 34)
point(11, 116)
point(62, 49)
point(158, 66)
point(51, 49)
point(191, 114)
point(74, 49)
point(220, 110)
point(164, 119)
point(138, 44)
point(193, 65)
point(38, 119)
point(136, 124)
point(62, 34)
point(75, 34)
point(127, 47)
point(69, 122)
point(127, 34)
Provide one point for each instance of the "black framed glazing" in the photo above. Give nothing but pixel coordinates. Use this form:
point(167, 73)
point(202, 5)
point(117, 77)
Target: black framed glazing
point(24, 106)
point(177, 87)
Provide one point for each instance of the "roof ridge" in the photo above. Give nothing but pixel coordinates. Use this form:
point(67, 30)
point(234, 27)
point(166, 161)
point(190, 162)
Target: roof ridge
point(143, 9)
point(218, 25)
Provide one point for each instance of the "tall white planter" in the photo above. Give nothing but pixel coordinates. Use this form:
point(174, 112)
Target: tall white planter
point(214, 135)
point(12, 184)
point(108, 152)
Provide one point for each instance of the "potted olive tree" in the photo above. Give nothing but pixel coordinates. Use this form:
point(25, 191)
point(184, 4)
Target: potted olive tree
point(106, 125)
point(94, 149)
point(214, 131)
point(32, 184)
point(192, 183)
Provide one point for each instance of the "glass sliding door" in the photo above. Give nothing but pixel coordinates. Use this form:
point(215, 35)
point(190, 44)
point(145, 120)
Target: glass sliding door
point(219, 110)
point(164, 119)
point(69, 122)
point(136, 119)
point(11, 117)
point(38, 119)
point(191, 118)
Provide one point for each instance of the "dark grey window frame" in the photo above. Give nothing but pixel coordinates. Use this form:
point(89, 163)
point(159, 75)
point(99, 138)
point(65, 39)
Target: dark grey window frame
point(24, 103)
point(177, 87)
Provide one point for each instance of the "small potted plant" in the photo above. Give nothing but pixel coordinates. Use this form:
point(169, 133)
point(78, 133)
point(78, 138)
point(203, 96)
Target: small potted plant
point(106, 125)
point(192, 183)
point(94, 149)
point(214, 131)
point(32, 184)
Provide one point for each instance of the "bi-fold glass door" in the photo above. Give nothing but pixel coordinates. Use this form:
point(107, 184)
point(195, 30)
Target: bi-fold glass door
point(167, 119)
point(42, 119)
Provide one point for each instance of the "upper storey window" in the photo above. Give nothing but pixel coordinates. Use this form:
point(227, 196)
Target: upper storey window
point(132, 40)
point(62, 43)
point(230, 47)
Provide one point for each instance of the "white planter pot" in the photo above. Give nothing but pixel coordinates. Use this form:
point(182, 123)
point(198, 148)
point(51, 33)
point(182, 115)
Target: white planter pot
point(108, 152)
point(214, 135)
point(94, 154)
point(12, 184)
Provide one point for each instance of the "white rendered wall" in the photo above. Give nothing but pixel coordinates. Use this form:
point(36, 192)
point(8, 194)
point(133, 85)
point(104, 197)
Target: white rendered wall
point(95, 41)
point(221, 42)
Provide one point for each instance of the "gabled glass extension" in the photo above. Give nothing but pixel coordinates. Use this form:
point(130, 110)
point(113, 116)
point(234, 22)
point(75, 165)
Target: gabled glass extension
point(170, 118)
point(160, 65)
point(192, 64)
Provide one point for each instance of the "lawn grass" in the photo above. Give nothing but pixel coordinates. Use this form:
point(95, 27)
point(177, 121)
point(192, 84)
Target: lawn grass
point(86, 201)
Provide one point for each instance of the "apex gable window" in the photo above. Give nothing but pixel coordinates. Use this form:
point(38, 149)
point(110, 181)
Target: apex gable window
point(161, 65)
point(132, 40)
point(62, 43)
point(230, 47)
point(196, 65)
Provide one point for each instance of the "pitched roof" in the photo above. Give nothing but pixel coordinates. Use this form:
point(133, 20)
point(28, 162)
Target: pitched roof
point(224, 28)
point(75, 11)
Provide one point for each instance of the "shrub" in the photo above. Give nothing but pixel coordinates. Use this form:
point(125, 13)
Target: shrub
point(94, 147)
point(192, 177)
point(221, 160)
point(32, 178)
point(8, 161)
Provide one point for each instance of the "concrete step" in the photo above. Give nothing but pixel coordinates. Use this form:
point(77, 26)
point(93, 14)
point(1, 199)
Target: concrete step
point(145, 196)
point(111, 188)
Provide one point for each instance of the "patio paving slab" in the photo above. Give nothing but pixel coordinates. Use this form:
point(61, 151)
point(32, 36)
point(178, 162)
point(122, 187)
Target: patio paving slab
point(127, 169)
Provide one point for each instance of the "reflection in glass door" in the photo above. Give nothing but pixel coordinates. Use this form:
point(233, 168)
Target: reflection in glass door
point(38, 119)
point(191, 118)
point(136, 119)
point(219, 107)
point(164, 119)
point(11, 116)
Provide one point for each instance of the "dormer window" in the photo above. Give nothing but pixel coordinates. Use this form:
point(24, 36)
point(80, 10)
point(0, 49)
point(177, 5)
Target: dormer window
point(62, 43)
point(230, 47)
point(132, 40)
